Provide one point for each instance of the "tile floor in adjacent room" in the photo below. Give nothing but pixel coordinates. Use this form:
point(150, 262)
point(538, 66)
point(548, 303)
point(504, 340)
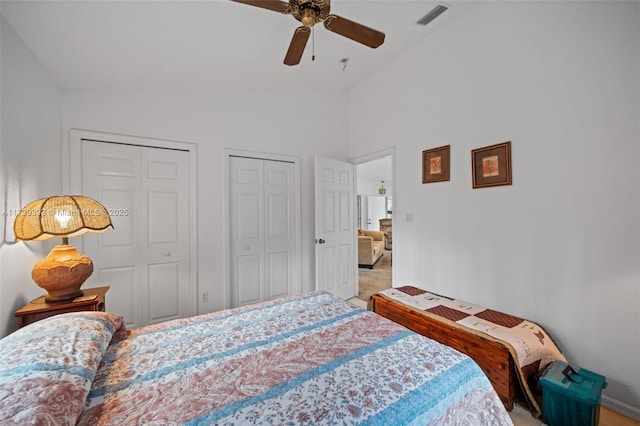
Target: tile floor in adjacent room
point(358, 302)
point(521, 416)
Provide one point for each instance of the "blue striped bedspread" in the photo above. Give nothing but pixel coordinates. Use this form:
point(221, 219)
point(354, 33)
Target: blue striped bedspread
point(310, 359)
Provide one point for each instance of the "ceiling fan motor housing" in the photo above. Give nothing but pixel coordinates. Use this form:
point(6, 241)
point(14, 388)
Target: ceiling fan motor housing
point(310, 12)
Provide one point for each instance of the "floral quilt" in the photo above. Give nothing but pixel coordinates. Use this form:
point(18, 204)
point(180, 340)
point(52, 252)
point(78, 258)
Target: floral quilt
point(309, 359)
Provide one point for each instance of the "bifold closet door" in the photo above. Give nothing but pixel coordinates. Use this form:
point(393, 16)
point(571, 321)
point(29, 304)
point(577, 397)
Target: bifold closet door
point(263, 261)
point(146, 257)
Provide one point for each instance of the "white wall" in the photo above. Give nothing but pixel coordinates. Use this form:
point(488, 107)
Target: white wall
point(561, 246)
point(263, 121)
point(29, 164)
point(371, 173)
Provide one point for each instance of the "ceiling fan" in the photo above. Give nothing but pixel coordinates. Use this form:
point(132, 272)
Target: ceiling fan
point(311, 12)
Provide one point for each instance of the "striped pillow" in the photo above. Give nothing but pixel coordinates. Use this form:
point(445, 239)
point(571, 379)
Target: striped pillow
point(47, 367)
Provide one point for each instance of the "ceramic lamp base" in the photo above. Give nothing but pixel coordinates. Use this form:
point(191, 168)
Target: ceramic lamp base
point(62, 272)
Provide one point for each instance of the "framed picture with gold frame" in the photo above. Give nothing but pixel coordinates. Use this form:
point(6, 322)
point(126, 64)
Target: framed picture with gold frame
point(491, 165)
point(435, 164)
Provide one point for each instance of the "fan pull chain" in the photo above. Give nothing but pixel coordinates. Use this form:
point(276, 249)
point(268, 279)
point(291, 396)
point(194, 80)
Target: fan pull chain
point(313, 44)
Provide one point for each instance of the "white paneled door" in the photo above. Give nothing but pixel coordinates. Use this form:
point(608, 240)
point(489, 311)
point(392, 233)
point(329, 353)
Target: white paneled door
point(263, 256)
point(145, 258)
point(335, 230)
point(376, 210)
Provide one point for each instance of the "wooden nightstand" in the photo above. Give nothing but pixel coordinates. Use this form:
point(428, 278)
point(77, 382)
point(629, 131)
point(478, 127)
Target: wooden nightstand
point(37, 309)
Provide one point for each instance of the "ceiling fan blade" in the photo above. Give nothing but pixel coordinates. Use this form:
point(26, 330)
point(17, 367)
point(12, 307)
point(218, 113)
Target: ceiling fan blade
point(354, 31)
point(296, 48)
point(275, 5)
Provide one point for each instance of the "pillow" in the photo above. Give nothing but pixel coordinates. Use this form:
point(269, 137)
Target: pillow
point(360, 232)
point(47, 367)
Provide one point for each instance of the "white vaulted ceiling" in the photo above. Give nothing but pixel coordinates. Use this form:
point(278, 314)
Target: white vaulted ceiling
point(208, 44)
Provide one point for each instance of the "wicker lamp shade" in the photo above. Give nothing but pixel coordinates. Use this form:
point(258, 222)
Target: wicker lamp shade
point(61, 216)
point(63, 271)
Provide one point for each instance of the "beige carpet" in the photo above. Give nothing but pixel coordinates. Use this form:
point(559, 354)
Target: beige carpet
point(371, 281)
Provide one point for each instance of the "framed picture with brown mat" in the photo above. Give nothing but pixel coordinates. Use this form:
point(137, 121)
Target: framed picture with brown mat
point(491, 165)
point(435, 164)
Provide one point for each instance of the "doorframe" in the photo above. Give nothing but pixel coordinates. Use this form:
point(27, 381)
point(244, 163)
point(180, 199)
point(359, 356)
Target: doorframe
point(231, 152)
point(376, 156)
point(72, 180)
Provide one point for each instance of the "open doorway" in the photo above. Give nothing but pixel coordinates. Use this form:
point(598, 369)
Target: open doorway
point(375, 224)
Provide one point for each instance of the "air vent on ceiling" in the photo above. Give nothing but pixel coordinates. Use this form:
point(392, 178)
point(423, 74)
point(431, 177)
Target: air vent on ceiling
point(435, 12)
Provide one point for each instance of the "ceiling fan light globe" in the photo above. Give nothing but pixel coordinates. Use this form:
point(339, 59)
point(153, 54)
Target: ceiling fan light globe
point(308, 17)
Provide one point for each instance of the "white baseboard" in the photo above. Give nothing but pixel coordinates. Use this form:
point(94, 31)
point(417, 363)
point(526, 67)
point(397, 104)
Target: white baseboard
point(621, 407)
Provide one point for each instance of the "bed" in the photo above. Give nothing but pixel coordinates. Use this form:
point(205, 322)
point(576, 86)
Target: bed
point(307, 359)
point(510, 350)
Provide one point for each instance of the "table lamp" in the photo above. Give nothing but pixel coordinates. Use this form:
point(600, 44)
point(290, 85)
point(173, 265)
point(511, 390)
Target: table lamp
point(63, 271)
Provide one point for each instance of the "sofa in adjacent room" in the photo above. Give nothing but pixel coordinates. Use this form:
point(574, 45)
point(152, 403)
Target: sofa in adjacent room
point(370, 247)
